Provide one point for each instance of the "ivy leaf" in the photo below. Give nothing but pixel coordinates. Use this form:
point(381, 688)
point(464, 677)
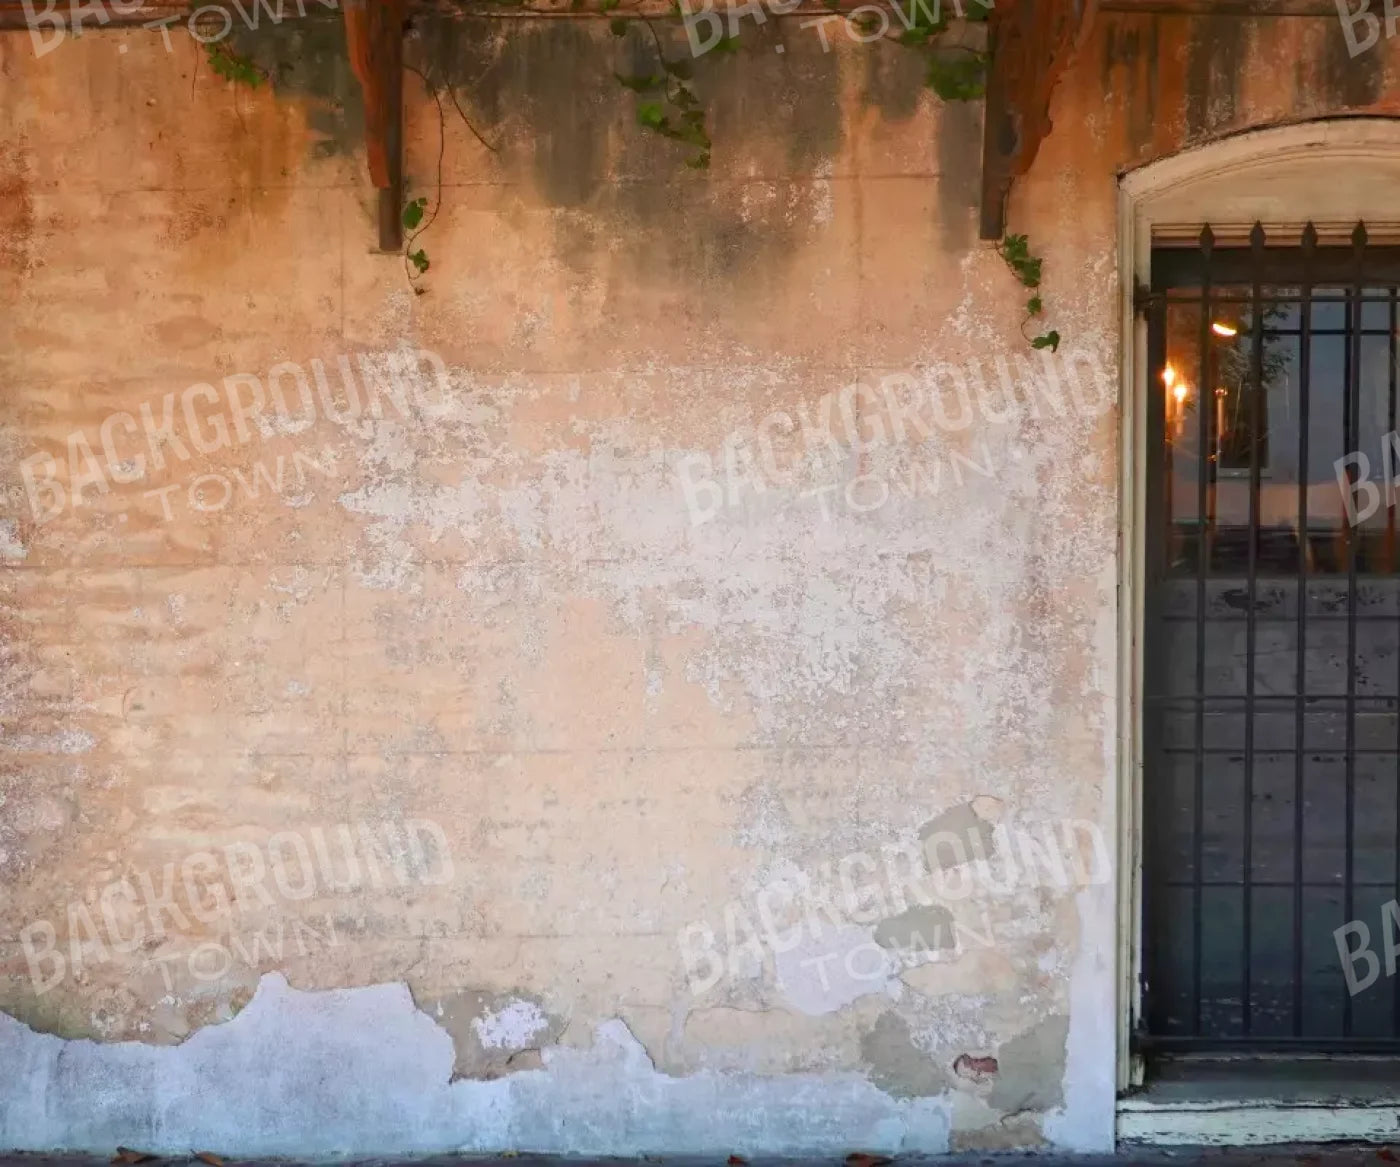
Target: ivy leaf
point(618, 26)
point(419, 259)
point(1035, 306)
point(231, 66)
point(1050, 340)
point(641, 82)
point(608, 5)
point(1015, 250)
point(725, 44)
point(960, 78)
point(413, 213)
point(652, 115)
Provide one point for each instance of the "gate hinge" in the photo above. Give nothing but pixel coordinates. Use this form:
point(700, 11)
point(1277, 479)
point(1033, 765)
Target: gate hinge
point(1145, 298)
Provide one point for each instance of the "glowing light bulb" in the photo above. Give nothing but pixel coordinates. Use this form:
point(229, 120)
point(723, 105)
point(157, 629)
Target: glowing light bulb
point(1181, 391)
point(1169, 376)
point(1220, 328)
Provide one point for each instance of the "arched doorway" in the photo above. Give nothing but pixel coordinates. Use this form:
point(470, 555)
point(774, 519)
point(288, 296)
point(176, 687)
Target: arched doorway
point(1261, 735)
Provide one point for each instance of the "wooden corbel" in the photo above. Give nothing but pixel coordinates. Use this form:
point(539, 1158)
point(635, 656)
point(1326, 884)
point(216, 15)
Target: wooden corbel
point(1030, 43)
point(374, 39)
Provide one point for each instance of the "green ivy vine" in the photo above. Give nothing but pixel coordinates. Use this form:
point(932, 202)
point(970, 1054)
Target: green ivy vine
point(412, 216)
point(953, 72)
point(666, 103)
point(231, 65)
point(1016, 251)
point(415, 216)
point(668, 106)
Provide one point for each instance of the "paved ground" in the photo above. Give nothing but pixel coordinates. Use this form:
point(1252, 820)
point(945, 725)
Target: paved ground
point(1328, 1156)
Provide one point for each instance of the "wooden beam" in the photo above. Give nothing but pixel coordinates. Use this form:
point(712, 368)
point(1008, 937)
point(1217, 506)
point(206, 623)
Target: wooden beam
point(374, 39)
point(1030, 42)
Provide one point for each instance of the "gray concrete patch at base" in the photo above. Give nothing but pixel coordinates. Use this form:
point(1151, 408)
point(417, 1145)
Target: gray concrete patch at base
point(359, 1072)
point(1291, 1156)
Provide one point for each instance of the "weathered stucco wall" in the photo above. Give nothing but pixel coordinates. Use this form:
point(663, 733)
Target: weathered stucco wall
point(459, 770)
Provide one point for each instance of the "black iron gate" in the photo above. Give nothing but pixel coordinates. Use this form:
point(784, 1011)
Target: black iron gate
point(1272, 644)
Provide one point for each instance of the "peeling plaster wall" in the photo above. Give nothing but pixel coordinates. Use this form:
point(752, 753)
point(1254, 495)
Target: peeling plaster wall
point(495, 615)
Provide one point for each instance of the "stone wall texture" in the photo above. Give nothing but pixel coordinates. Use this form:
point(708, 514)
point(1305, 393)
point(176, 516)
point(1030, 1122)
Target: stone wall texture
point(650, 687)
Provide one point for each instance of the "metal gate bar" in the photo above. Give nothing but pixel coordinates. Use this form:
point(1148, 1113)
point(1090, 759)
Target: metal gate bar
point(1351, 428)
point(1308, 260)
point(1390, 565)
point(1256, 244)
point(1203, 557)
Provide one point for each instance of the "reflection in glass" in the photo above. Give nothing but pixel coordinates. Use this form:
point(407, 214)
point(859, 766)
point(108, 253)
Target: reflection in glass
point(1257, 425)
